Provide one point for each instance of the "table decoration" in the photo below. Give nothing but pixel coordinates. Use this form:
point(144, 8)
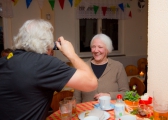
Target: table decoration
point(141, 74)
point(131, 99)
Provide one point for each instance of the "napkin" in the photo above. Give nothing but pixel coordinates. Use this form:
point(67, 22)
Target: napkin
point(98, 113)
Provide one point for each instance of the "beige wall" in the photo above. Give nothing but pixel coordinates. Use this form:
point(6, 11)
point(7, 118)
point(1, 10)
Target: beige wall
point(21, 14)
point(158, 47)
point(133, 36)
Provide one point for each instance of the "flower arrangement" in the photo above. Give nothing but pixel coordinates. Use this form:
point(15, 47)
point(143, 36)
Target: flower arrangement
point(131, 96)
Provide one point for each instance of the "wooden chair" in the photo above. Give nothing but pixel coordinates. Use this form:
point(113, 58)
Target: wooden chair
point(69, 63)
point(141, 63)
point(140, 86)
point(57, 97)
point(131, 70)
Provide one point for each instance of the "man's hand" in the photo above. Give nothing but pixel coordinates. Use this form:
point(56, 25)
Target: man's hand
point(65, 47)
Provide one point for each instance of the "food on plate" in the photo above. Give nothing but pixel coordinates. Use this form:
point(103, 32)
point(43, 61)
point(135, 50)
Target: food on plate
point(142, 112)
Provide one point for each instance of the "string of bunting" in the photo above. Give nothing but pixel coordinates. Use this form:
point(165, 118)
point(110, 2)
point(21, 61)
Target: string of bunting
point(51, 2)
point(114, 9)
point(104, 9)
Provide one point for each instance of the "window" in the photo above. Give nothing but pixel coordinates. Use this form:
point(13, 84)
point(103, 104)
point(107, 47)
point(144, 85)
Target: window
point(110, 28)
point(90, 27)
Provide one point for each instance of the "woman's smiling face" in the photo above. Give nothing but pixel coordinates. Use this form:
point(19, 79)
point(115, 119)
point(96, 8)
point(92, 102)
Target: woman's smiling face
point(99, 50)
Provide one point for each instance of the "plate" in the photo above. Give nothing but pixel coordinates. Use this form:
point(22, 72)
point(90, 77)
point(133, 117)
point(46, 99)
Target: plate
point(81, 115)
point(98, 107)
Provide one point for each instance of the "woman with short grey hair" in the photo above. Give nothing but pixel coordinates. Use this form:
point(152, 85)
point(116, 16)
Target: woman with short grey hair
point(111, 75)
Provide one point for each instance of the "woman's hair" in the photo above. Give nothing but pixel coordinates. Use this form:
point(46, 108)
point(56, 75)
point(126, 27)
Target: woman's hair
point(36, 36)
point(105, 39)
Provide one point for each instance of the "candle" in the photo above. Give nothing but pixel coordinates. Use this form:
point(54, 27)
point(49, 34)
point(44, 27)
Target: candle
point(141, 74)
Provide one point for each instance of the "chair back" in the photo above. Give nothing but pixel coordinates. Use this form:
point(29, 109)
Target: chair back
point(70, 64)
point(140, 86)
point(141, 63)
point(57, 97)
point(131, 70)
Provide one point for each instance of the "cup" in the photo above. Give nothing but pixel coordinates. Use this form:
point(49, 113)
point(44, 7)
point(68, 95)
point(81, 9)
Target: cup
point(160, 106)
point(72, 101)
point(91, 118)
point(65, 109)
point(104, 102)
point(128, 117)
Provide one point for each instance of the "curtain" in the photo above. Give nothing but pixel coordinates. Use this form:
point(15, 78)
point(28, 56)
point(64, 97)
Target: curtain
point(109, 9)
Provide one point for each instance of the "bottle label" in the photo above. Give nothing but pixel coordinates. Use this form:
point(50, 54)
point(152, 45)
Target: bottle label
point(119, 111)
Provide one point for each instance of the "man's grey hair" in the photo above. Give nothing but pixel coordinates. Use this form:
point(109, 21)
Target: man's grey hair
point(36, 36)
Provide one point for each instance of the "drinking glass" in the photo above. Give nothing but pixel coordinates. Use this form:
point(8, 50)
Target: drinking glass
point(66, 110)
point(160, 106)
point(72, 100)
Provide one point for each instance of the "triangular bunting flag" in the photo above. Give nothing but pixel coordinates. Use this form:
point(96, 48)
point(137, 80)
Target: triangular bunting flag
point(77, 2)
point(95, 8)
point(52, 3)
point(28, 2)
point(130, 14)
point(104, 9)
point(113, 9)
point(61, 3)
point(121, 6)
point(15, 1)
point(128, 6)
point(71, 1)
point(86, 4)
point(40, 2)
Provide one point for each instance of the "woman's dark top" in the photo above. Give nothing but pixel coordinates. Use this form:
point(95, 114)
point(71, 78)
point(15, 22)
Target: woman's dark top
point(98, 69)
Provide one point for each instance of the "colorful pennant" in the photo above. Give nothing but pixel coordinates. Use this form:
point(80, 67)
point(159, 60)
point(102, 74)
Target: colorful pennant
point(61, 2)
point(71, 2)
point(95, 8)
point(104, 9)
point(28, 2)
point(128, 6)
point(15, 1)
point(86, 4)
point(113, 8)
point(52, 3)
point(121, 5)
point(130, 14)
point(77, 2)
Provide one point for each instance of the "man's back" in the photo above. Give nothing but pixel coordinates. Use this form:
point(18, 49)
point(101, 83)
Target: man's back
point(25, 85)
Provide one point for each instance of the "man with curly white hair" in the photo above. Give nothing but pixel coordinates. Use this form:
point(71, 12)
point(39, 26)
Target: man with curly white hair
point(30, 75)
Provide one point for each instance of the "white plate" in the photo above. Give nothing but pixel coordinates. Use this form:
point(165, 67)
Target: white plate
point(97, 106)
point(82, 115)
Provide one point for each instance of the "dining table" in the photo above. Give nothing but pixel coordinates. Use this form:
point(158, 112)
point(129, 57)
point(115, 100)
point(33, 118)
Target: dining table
point(79, 109)
point(82, 107)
